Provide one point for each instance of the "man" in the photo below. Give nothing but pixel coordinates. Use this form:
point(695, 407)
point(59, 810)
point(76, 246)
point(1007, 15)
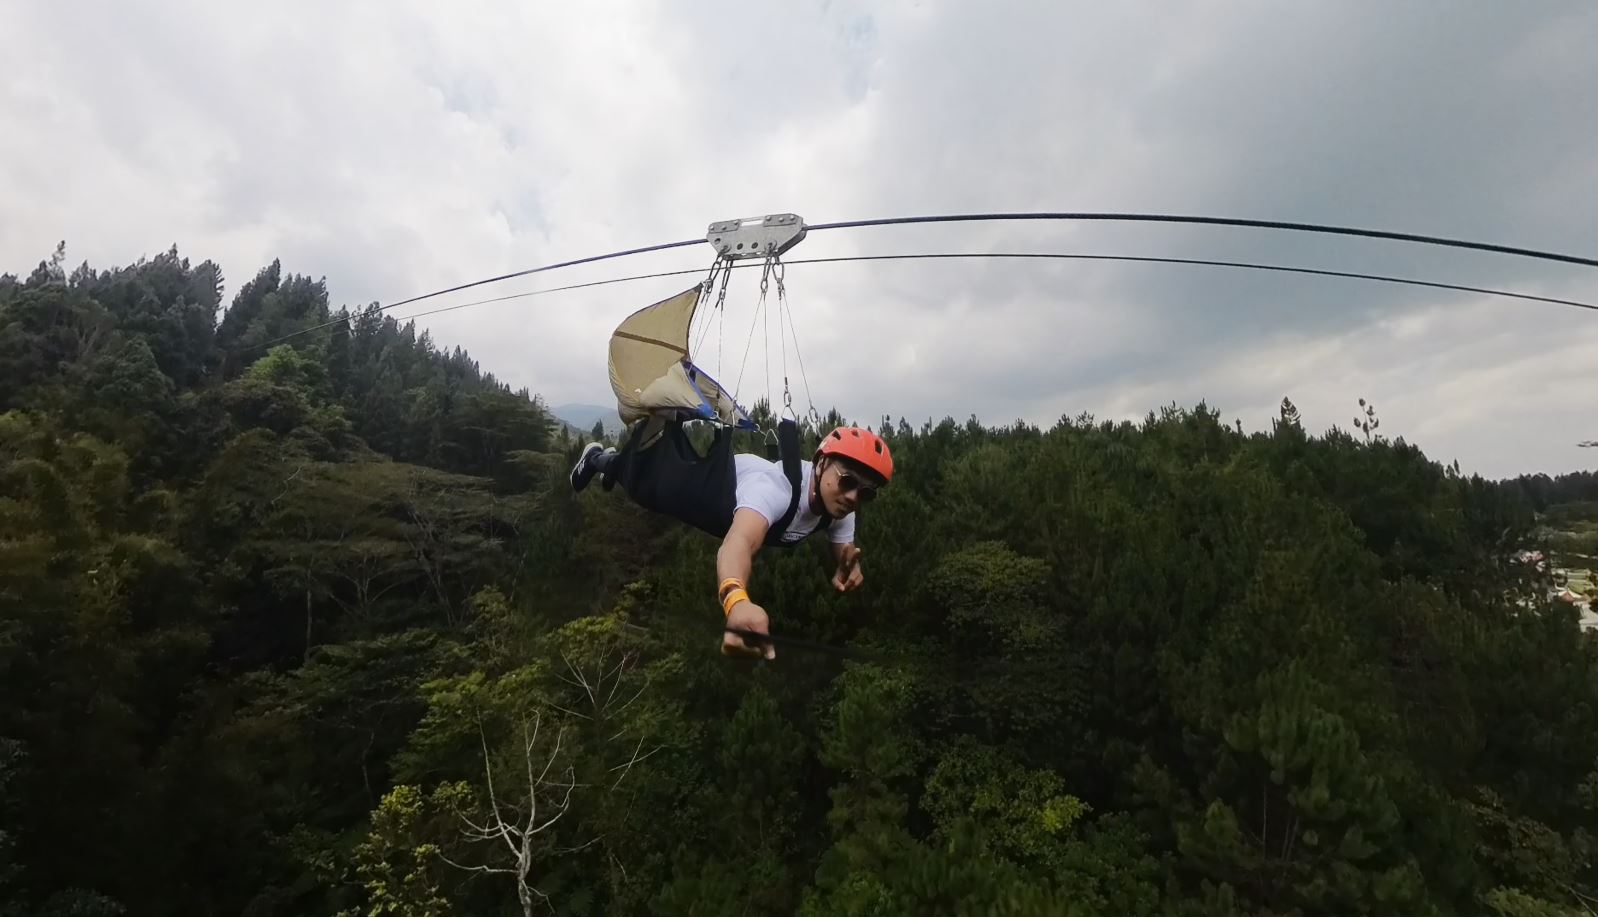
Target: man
point(849, 466)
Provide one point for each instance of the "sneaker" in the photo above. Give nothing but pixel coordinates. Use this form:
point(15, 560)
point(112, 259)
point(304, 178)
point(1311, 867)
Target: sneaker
point(585, 467)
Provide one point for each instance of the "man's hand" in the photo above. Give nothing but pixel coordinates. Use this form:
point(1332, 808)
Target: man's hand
point(747, 616)
point(848, 575)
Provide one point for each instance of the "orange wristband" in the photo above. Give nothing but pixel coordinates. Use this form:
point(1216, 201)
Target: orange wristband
point(731, 599)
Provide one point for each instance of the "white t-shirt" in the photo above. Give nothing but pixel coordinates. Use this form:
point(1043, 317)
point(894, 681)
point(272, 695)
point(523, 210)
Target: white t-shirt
point(763, 488)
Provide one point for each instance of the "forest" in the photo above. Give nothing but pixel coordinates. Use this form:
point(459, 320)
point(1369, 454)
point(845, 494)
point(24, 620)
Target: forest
point(299, 615)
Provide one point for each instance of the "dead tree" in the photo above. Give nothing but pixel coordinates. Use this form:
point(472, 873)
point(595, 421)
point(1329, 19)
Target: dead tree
point(545, 802)
point(514, 828)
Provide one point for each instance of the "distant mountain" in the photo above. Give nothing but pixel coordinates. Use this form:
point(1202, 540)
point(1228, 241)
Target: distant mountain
point(581, 417)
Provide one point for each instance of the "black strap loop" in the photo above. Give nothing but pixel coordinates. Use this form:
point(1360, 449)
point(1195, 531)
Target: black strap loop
point(788, 448)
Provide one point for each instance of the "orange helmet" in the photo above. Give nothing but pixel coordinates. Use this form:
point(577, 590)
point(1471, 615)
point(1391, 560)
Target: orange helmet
point(859, 445)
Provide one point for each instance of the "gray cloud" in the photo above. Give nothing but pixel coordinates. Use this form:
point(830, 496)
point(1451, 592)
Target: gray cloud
point(409, 147)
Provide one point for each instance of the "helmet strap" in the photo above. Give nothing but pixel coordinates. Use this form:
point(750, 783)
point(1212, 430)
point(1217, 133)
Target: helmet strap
point(817, 505)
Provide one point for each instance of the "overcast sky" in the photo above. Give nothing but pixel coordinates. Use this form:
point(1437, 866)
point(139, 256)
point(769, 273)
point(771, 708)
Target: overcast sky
point(399, 147)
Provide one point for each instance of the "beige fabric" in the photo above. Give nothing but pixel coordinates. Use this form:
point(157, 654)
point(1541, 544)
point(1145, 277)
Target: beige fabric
point(650, 367)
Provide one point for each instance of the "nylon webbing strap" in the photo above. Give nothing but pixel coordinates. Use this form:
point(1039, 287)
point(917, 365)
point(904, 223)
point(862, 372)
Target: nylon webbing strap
point(788, 451)
point(798, 643)
point(946, 670)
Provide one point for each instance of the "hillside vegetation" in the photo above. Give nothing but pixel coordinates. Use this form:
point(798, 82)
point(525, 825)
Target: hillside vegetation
point(315, 626)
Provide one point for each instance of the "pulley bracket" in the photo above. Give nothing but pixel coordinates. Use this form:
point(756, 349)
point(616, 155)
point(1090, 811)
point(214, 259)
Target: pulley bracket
point(756, 237)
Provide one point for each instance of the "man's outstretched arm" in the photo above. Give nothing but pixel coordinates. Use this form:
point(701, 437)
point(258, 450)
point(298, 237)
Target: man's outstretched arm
point(735, 560)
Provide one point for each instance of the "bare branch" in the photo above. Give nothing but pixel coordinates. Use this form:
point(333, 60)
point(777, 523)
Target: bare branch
point(480, 830)
point(564, 803)
point(552, 819)
point(1581, 899)
point(583, 846)
point(618, 864)
point(532, 785)
point(583, 681)
point(630, 700)
point(493, 798)
point(558, 737)
point(490, 869)
point(575, 684)
point(635, 759)
point(530, 741)
point(581, 716)
point(286, 482)
point(533, 889)
point(615, 682)
point(570, 784)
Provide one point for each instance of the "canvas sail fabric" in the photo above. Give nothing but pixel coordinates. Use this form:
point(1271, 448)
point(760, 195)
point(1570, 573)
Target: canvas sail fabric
point(653, 374)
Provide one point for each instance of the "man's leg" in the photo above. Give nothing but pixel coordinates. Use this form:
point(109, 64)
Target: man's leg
point(594, 460)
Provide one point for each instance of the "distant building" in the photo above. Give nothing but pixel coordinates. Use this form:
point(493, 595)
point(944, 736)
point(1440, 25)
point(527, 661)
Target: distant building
point(1588, 620)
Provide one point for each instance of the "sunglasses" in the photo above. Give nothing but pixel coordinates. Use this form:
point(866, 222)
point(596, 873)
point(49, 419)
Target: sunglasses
point(848, 480)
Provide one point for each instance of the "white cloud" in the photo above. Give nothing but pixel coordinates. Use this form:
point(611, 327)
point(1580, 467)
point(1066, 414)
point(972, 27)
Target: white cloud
point(402, 147)
point(1457, 379)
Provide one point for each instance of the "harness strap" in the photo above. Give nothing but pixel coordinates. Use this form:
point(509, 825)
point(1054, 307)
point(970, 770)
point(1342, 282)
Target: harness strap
point(788, 444)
